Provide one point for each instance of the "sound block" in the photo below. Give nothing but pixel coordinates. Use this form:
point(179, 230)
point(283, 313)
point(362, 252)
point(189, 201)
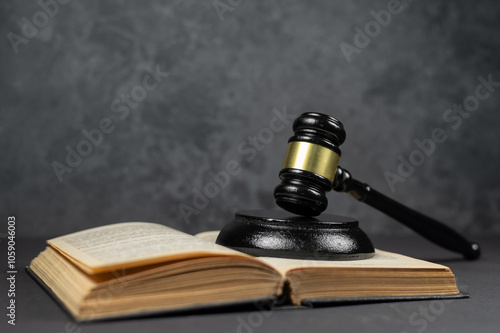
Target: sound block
point(274, 233)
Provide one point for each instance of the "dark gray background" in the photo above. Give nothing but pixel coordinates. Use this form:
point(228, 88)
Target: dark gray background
point(226, 77)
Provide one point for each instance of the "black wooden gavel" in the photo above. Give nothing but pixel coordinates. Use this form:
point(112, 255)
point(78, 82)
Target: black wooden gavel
point(310, 170)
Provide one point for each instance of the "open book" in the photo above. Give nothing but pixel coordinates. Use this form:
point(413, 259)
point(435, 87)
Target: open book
point(140, 268)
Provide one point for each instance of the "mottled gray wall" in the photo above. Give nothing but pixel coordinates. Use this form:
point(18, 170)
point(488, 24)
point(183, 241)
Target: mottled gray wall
point(226, 76)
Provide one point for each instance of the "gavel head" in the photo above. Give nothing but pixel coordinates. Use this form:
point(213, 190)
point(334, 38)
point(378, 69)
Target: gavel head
point(310, 164)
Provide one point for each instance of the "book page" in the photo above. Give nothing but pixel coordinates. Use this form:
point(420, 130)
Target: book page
point(381, 260)
point(210, 236)
point(132, 244)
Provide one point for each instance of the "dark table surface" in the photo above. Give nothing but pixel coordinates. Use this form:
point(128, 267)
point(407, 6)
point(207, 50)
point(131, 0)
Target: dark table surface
point(36, 311)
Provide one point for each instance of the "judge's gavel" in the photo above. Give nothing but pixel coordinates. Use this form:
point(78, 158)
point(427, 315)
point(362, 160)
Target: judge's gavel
point(310, 170)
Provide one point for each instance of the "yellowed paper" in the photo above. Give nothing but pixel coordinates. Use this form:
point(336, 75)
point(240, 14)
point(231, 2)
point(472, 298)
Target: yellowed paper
point(126, 244)
point(381, 260)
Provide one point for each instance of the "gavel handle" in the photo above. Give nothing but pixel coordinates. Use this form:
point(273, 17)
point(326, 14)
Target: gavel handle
point(427, 227)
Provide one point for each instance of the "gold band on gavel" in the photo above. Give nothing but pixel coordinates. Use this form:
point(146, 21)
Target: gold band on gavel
point(311, 157)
